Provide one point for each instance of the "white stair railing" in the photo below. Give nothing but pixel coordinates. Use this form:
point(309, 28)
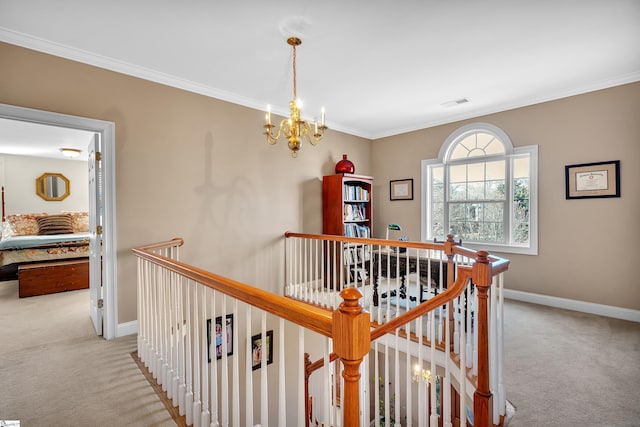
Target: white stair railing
point(412, 364)
point(201, 344)
point(199, 334)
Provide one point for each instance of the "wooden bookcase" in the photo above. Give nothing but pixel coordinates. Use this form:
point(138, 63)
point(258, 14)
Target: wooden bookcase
point(346, 205)
point(347, 202)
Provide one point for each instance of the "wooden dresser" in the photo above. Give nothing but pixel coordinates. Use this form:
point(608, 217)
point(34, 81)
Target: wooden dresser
point(50, 277)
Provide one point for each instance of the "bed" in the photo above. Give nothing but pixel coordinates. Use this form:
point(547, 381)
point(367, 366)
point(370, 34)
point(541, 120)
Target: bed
point(42, 248)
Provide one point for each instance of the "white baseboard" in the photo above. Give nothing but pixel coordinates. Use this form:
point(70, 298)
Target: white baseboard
point(129, 328)
point(575, 305)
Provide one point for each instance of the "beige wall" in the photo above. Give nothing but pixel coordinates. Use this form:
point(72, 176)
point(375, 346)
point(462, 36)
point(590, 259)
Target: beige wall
point(199, 168)
point(189, 166)
point(587, 248)
point(20, 173)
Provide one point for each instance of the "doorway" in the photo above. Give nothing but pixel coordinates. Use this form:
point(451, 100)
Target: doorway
point(106, 131)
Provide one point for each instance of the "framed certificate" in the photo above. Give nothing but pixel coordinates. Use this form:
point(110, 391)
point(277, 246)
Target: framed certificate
point(590, 180)
point(401, 189)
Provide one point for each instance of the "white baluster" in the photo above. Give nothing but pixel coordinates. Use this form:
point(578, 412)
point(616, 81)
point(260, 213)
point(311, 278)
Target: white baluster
point(165, 330)
point(475, 333)
point(172, 333)
point(365, 391)
point(188, 399)
point(376, 383)
point(264, 385)
point(182, 365)
point(456, 325)
point(139, 307)
point(236, 372)
point(213, 371)
point(282, 385)
point(433, 419)
point(386, 383)
point(248, 372)
point(205, 417)
point(462, 379)
point(407, 352)
point(301, 372)
point(197, 361)
point(421, 385)
point(445, 391)
point(149, 312)
point(224, 370)
point(396, 373)
point(327, 389)
point(493, 351)
point(500, 338)
point(470, 310)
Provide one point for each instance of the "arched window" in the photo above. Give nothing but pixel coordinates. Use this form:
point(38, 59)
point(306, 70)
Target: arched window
point(483, 191)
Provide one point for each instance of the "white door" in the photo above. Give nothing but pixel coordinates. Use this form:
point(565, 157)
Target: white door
point(96, 214)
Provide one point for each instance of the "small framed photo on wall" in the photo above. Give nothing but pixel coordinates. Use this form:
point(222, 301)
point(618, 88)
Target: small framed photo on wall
point(261, 349)
point(221, 332)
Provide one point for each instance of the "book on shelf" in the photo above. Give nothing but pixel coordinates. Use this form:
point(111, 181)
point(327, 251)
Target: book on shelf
point(355, 212)
point(357, 230)
point(355, 192)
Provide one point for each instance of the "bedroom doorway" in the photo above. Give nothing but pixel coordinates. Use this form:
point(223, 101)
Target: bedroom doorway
point(103, 308)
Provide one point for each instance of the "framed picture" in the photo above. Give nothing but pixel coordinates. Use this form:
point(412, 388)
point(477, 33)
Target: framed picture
point(401, 189)
point(590, 180)
point(228, 335)
point(260, 349)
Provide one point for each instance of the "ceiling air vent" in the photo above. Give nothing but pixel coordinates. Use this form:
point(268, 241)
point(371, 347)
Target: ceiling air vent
point(455, 103)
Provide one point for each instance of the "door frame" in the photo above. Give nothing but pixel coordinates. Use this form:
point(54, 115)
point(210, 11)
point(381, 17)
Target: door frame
point(107, 131)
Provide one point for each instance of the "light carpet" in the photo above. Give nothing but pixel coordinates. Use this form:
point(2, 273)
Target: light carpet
point(562, 368)
point(54, 370)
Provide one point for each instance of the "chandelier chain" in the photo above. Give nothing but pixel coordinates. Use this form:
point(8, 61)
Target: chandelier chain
point(295, 92)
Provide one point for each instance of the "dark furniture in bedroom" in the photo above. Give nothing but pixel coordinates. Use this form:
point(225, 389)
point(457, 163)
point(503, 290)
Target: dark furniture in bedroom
point(50, 277)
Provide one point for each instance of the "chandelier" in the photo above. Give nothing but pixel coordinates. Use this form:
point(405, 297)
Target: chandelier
point(294, 128)
point(420, 375)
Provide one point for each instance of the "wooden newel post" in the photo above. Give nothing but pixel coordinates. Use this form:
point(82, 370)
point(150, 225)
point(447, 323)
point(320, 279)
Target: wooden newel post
point(351, 342)
point(482, 398)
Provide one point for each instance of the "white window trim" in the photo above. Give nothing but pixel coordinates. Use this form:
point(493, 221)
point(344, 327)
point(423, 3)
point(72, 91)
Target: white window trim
point(532, 151)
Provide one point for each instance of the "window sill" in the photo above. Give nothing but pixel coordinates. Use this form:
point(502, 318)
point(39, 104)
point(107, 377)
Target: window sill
point(509, 249)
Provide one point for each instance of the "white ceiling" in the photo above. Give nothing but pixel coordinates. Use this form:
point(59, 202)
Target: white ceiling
point(34, 139)
point(379, 67)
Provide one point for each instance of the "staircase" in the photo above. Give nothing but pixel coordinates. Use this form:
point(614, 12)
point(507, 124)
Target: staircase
point(419, 345)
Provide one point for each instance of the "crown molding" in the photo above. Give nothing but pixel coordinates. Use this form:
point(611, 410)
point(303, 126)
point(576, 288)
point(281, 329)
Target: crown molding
point(79, 55)
point(523, 102)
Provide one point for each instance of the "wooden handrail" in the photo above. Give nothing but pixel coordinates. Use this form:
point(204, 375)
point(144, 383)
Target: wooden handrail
point(176, 241)
point(308, 316)
point(381, 242)
point(464, 274)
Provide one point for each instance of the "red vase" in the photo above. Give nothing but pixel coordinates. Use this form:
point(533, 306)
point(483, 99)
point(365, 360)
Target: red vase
point(345, 166)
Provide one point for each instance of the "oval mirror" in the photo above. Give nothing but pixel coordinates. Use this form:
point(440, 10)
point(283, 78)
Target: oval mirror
point(52, 186)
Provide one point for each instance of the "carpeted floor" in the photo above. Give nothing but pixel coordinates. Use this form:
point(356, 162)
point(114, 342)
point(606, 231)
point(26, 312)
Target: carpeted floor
point(565, 368)
point(562, 368)
point(54, 370)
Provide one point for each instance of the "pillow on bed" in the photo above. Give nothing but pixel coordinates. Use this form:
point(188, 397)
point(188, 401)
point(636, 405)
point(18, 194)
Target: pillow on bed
point(55, 224)
point(24, 224)
point(79, 221)
point(7, 231)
